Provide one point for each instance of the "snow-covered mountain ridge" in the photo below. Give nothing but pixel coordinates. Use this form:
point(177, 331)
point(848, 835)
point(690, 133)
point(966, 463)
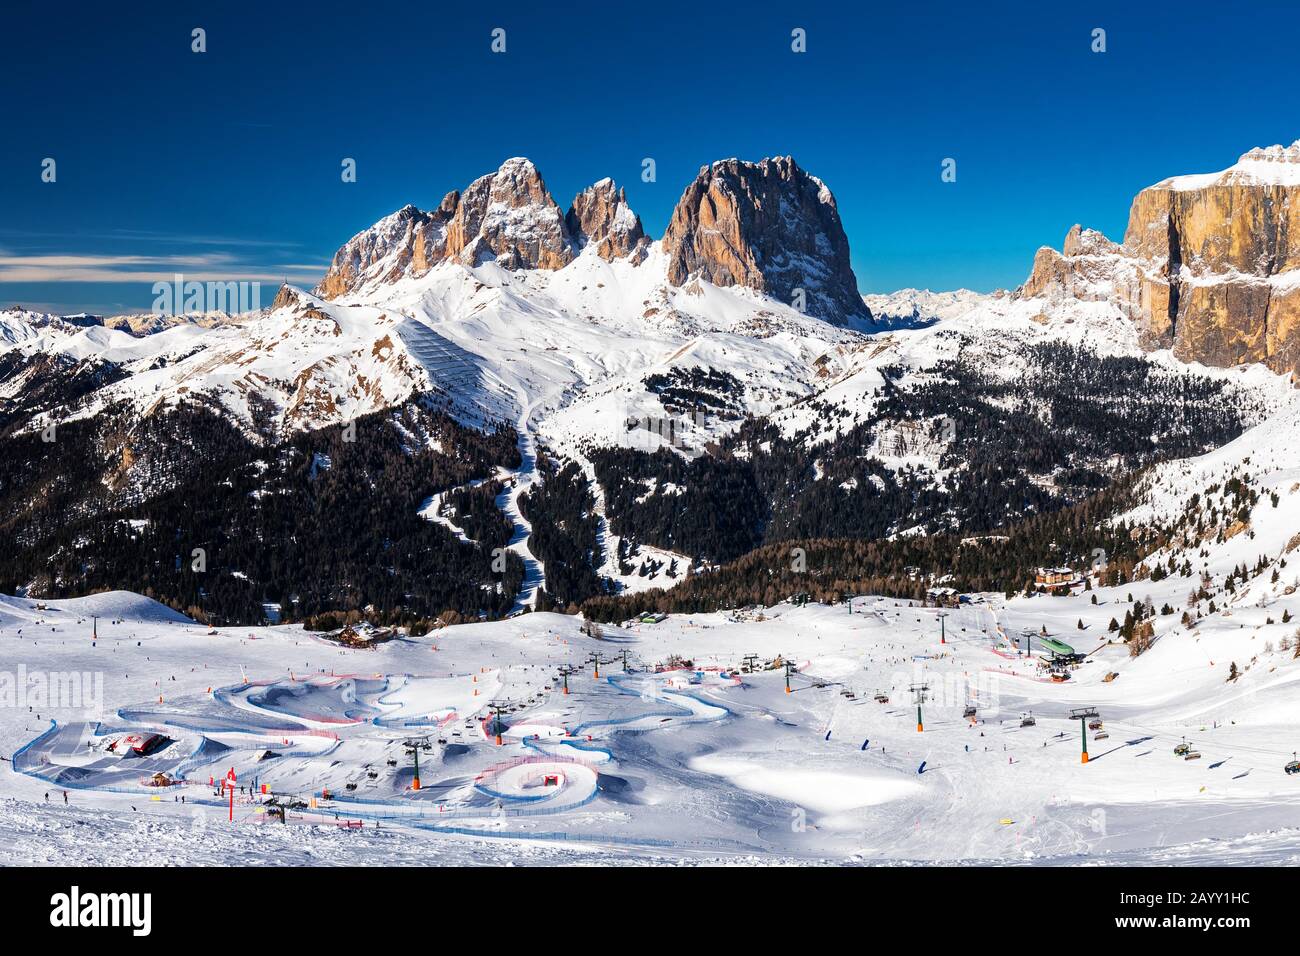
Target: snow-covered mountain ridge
point(729, 341)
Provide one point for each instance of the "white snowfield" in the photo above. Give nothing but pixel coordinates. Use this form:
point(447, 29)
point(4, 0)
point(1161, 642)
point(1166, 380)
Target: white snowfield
point(664, 762)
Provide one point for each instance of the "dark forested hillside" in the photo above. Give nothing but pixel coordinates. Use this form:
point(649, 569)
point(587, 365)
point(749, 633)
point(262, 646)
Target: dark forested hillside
point(961, 446)
point(474, 510)
point(705, 507)
point(184, 507)
point(561, 510)
point(829, 569)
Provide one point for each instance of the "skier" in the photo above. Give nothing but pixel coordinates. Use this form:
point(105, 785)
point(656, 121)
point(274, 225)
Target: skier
point(65, 797)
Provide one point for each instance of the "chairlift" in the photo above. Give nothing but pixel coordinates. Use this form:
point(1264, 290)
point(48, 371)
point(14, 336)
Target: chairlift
point(1194, 755)
point(1183, 749)
point(882, 697)
point(1028, 721)
point(1293, 767)
point(1101, 735)
point(1094, 724)
point(969, 712)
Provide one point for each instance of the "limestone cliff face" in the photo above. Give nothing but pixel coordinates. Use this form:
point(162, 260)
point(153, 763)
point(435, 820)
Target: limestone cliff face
point(386, 249)
point(600, 216)
point(1209, 266)
point(507, 215)
point(768, 226)
point(409, 242)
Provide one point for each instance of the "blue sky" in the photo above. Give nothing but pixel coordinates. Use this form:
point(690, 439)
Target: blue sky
point(226, 164)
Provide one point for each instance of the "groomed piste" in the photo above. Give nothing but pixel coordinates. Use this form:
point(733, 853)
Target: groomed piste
point(795, 737)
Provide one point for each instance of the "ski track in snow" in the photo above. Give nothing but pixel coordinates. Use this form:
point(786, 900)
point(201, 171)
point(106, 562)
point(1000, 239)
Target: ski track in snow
point(686, 766)
point(522, 480)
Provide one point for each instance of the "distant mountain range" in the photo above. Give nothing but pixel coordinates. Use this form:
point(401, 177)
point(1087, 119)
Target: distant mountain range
point(534, 406)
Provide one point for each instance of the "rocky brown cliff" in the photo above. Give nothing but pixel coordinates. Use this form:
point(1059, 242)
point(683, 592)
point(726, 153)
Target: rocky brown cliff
point(1209, 266)
point(769, 226)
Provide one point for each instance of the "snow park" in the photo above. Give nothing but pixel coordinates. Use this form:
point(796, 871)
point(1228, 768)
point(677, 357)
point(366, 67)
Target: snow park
point(868, 731)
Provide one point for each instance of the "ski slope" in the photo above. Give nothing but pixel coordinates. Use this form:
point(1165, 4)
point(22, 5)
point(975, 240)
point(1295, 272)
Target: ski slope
point(663, 762)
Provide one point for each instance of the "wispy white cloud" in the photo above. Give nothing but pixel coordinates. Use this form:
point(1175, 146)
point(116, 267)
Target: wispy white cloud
point(209, 267)
point(148, 235)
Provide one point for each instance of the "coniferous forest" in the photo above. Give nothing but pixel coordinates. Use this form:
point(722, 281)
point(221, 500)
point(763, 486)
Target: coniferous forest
point(561, 510)
point(991, 451)
point(184, 507)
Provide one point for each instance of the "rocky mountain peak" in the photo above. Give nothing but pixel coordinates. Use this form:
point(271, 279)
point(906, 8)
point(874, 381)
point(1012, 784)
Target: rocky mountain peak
point(769, 226)
point(600, 216)
point(510, 216)
point(1209, 266)
point(507, 215)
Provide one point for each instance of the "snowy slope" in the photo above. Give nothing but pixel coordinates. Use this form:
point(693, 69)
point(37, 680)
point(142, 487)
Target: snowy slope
point(664, 762)
point(920, 306)
point(312, 363)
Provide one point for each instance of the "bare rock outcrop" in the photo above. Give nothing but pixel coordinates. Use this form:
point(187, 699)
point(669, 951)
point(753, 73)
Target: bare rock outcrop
point(769, 226)
point(1209, 266)
point(507, 215)
point(600, 216)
